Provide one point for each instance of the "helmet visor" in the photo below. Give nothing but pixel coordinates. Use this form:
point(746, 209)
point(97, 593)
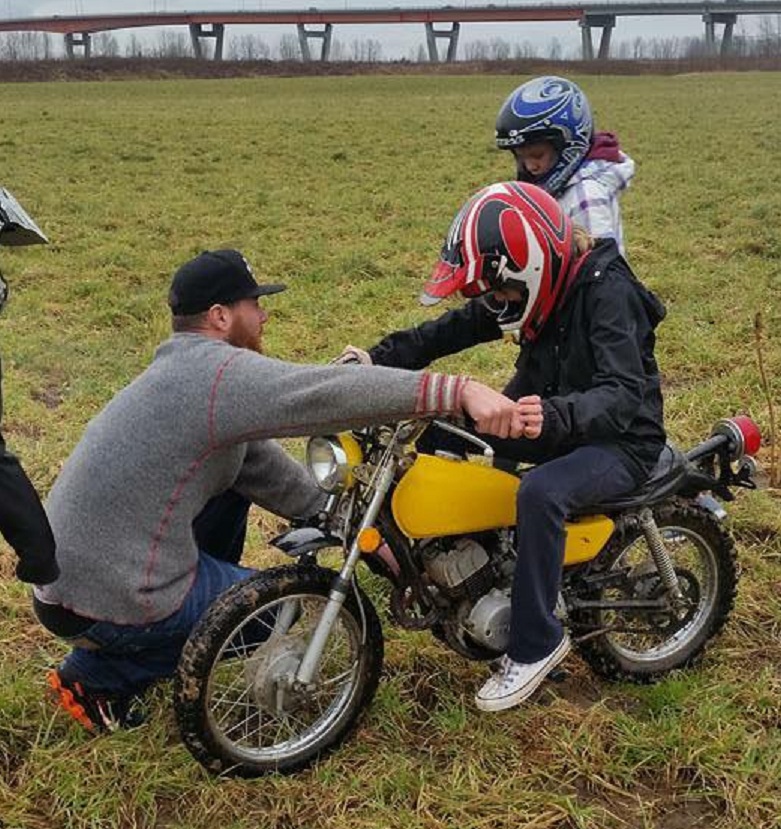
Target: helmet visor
point(483, 274)
point(446, 278)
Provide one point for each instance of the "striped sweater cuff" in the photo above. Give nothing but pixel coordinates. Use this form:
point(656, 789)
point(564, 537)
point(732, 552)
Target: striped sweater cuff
point(440, 393)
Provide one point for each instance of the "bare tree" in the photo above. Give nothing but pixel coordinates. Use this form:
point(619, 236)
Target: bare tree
point(476, 50)
point(25, 46)
point(105, 44)
point(248, 47)
point(373, 50)
point(769, 38)
point(134, 48)
point(664, 48)
point(365, 51)
point(171, 45)
point(289, 48)
point(622, 50)
point(524, 50)
point(554, 49)
point(499, 49)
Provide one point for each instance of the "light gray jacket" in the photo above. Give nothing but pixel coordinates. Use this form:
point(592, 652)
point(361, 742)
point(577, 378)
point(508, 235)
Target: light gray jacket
point(197, 422)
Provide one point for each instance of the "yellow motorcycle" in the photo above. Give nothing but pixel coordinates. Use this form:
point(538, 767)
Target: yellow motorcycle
point(282, 665)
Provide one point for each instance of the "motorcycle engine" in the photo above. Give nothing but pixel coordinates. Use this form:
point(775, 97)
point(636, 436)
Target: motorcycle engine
point(458, 568)
point(465, 573)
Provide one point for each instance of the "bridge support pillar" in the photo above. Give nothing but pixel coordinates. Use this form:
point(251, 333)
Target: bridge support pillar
point(607, 23)
point(204, 31)
point(78, 40)
point(451, 35)
point(711, 19)
point(324, 35)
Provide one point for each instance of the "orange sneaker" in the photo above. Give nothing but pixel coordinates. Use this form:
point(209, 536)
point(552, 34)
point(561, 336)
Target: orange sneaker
point(97, 712)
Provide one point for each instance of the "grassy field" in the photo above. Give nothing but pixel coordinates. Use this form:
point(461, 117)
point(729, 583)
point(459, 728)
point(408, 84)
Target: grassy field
point(343, 187)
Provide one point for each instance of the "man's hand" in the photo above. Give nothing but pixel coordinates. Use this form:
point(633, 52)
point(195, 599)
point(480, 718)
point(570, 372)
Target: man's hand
point(353, 354)
point(530, 409)
point(493, 413)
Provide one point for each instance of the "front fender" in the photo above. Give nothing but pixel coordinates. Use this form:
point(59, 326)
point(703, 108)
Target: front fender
point(302, 540)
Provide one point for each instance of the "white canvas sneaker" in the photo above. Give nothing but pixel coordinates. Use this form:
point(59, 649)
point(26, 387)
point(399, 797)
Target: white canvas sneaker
point(515, 681)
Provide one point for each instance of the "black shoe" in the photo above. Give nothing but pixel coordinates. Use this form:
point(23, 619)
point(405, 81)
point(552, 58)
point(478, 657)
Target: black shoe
point(97, 712)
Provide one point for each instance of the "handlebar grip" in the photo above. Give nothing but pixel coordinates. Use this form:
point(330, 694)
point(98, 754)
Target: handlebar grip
point(707, 447)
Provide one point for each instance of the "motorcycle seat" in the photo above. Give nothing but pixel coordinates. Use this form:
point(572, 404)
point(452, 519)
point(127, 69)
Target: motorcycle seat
point(663, 483)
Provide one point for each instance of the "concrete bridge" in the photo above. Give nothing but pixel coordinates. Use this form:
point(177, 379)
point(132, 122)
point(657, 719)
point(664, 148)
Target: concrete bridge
point(440, 22)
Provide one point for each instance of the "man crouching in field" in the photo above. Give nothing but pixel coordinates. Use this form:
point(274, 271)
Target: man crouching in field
point(199, 421)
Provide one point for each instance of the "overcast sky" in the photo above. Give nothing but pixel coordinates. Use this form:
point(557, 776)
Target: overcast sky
point(396, 40)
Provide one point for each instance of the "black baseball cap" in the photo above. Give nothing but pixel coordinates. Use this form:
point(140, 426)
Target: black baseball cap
point(214, 277)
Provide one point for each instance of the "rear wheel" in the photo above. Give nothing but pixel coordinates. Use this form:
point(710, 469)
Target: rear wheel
point(642, 645)
point(237, 704)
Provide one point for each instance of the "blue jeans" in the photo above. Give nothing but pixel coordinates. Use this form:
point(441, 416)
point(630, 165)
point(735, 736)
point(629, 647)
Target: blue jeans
point(127, 659)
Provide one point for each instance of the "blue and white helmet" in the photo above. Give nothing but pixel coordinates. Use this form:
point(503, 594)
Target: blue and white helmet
point(552, 109)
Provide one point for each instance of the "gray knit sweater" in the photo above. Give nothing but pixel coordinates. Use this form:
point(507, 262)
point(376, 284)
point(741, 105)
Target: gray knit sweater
point(197, 422)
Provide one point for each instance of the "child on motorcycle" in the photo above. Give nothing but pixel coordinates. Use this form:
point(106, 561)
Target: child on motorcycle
point(586, 382)
point(546, 124)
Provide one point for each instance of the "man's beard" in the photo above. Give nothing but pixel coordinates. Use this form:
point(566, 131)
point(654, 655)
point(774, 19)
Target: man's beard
point(243, 339)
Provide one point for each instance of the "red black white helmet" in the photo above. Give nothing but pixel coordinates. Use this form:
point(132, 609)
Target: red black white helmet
point(510, 235)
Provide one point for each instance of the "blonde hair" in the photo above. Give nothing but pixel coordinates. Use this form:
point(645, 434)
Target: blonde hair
point(582, 240)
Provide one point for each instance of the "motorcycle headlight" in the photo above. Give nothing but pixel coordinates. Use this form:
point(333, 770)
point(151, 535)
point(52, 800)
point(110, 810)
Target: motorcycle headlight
point(329, 463)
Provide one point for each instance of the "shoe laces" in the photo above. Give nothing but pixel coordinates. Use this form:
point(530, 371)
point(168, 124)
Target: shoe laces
point(508, 671)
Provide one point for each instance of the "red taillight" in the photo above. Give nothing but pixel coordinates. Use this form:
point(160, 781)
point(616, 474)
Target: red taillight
point(744, 435)
point(752, 437)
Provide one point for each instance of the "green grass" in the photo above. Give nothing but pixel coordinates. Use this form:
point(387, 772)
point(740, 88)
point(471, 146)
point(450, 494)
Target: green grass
point(343, 187)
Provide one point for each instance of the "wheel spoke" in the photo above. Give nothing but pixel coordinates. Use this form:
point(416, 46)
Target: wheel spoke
point(246, 707)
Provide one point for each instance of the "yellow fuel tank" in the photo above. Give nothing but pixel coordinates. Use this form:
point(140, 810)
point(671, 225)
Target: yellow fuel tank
point(440, 497)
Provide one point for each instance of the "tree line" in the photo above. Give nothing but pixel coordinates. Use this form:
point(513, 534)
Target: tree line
point(34, 46)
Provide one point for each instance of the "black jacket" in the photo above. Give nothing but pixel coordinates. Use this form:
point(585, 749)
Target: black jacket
point(23, 522)
point(593, 363)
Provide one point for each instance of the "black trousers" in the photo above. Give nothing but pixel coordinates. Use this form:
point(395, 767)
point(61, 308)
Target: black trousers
point(220, 528)
point(24, 524)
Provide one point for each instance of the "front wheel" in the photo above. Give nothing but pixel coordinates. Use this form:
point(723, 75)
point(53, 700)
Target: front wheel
point(237, 704)
point(643, 645)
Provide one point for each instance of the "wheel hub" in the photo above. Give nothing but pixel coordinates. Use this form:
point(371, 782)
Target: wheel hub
point(270, 672)
point(680, 612)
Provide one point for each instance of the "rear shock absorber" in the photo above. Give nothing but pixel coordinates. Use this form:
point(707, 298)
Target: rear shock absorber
point(659, 554)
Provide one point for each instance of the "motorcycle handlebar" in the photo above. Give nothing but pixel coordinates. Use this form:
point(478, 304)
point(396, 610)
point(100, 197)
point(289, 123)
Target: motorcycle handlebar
point(707, 447)
point(488, 450)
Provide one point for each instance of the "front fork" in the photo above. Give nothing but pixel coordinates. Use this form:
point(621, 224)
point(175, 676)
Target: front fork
point(341, 585)
point(661, 557)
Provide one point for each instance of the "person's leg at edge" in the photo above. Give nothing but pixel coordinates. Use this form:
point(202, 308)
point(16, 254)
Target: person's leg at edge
point(547, 495)
point(122, 661)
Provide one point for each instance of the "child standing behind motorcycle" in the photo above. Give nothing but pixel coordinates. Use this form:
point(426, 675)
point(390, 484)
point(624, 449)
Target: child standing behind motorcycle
point(546, 123)
point(586, 382)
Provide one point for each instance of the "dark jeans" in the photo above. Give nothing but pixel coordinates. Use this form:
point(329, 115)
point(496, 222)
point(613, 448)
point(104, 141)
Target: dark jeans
point(127, 659)
point(221, 526)
point(548, 494)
